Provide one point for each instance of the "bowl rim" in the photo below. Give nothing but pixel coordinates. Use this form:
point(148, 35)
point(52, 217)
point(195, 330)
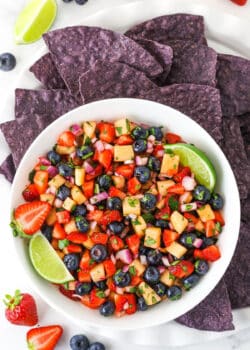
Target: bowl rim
point(128, 325)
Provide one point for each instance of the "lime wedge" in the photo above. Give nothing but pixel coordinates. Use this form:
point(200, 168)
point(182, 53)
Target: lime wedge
point(34, 20)
point(198, 162)
point(46, 261)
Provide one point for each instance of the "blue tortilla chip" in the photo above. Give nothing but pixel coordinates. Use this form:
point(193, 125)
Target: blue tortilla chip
point(7, 168)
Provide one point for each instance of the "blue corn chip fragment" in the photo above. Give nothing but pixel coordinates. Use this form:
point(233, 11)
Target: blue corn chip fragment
point(7, 168)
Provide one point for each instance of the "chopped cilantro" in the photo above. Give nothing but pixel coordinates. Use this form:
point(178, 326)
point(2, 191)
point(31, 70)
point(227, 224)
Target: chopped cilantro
point(136, 222)
point(128, 125)
point(31, 175)
point(149, 218)
point(169, 151)
point(218, 227)
point(173, 203)
point(87, 141)
point(132, 270)
point(150, 241)
point(88, 155)
point(189, 240)
point(100, 294)
point(132, 290)
point(119, 129)
point(165, 216)
point(43, 167)
point(132, 202)
point(63, 243)
point(154, 299)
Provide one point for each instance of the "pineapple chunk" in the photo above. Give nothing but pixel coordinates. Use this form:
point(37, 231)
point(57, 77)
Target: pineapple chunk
point(176, 249)
point(57, 181)
point(150, 296)
point(139, 226)
point(65, 150)
point(47, 197)
point(131, 205)
point(160, 204)
point(89, 129)
point(97, 273)
point(88, 243)
point(79, 176)
point(123, 153)
point(51, 218)
point(206, 213)
point(70, 226)
point(119, 181)
point(77, 195)
point(122, 127)
point(166, 278)
point(178, 221)
point(69, 204)
point(139, 268)
point(152, 237)
point(170, 164)
point(164, 185)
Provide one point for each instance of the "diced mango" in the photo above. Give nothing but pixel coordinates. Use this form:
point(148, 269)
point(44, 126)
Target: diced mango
point(152, 237)
point(139, 226)
point(89, 129)
point(131, 205)
point(206, 213)
point(122, 127)
point(139, 268)
point(51, 218)
point(63, 150)
point(47, 197)
point(123, 153)
point(163, 186)
point(150, 296)
point(69, 204)
point(170, 164)
point(88, 243)
point(176, 249)
point(57, 181)
point(166, 278)
point(178, 221)
point(97, 273)
point(77, 195)
point(199, 226)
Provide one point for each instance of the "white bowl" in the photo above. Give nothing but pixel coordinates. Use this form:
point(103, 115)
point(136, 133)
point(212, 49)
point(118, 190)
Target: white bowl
point(154, 114)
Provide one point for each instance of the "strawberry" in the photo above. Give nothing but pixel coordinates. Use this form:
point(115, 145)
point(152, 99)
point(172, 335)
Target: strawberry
point(43, 338)
point(133, 243)
point(95, 299)
point(126, 170)
point(124, 140)
point(182, 269)
point(88, 188)
point(172, 138)
point(41, 179)
point(105, 158)
point(29, 217)
point(68, 293)
point(21, 309)
point(107, 132)
point(67, 139)
point(63, 216)
point(30, 193)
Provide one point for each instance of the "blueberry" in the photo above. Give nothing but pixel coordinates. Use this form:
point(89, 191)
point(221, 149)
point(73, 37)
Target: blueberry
point(7, 61)
point(71, 261)
point(47, 232)
point(83, 288)
point(187, 239)
point(65, 169)
point(63, 192)
point(154, 164)
point(201, 193)
point(139, 133)
point(81, 2)
point(174, 293)
point(84, 152)
point(96, 345)
point(149, 218)
point(116, 226)
point(80, 210)
point(82, 224)
point(98, 252)
point(79, 342)
point(190, 281)
point(140, 146)
point(161, 223)
point(152, 275)
point(143, 250)
point(142, 173)
point(207, 241)
point(67, 0)
point(141, 304)
point(201, 267)
point(107, 308)
point(148, 201)
point(122, 279)
point(154, 257)
point(216, 201)
point(160, 289)
point(104, 182)
point(114, 203)
point(53, 157)
point(101, 285)
point(156, 132)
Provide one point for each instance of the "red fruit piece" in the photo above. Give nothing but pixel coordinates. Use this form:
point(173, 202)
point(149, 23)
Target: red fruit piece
point(109, 216)
point(88, 188)
point(58, 231)
point(169, 237)
point(126, 170)
point(68, 293)
point(95, 215)
point(116, 243)
point(41, 179)
point(43, 338)
point(30, 193)
point(181, 174)
point(182, 269)
point(211, 253)
point(21, 309)
point(133, 243)
point(240, 2)
point(95, 299)
point(30, 217)
point(133, 185)
point(124, 140)
point(115, 192)
point(77, 237)
point(172, 138)
point(63, 216)
point(67, 139)
point(105, 158)
point(109, 267)
point(107, 132)
point(99, 238)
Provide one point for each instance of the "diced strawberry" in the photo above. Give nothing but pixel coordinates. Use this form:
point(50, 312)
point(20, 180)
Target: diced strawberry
point(43, 338)
point(77, 237)
point(31, 216)
point(120, 301)
point(172, 138)
point(182, 269)
point(191, 218)
point(126, 170)
point(109, 216)
point(157, 148)
point(85, 262)
point(115, 192)
point(181, 174)
point(97, 171)
point(133, 243)
point(124, 140)
point(58, 231)
point(68, 293)
point(88, 188)
point(133, 185)
point(116, 243)
point(211, 253)
point(169, 237)
point(30, 193)
point(164, 213)
point(95, 215)
point(63, 217)
point(99, 238)
point(72, 248)
point(109, 267)
point(41, 181)
point(176, 189)
point(107, 132)
point(125, 302)
point(135, 280)
point(84, 275)
point(131, 299)
point(94, 299)
point(198, 254)
point(105, 158)
point(218, 217)
point(67, 139)
point(111, 285)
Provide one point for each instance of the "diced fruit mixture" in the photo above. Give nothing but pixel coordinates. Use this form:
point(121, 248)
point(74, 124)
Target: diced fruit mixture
point(129, 221)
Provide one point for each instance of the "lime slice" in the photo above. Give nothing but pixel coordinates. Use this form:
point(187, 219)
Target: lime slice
point(34, 20)
point(46, 261)
point(198, 162)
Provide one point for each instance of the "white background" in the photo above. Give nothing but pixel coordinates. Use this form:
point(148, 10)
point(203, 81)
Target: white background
point(13, 337)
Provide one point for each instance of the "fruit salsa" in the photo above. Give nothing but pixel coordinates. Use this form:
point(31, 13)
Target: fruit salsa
point(133, 220)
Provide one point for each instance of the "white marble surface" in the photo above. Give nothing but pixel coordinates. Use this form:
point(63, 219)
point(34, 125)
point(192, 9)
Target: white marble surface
point(13, 337)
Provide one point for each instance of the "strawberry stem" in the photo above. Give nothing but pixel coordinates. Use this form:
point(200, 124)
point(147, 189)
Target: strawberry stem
point(12, 302)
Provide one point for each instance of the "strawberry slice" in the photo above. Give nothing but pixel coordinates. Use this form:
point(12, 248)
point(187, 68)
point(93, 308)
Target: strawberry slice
point(43, 338)
point(105, 158)
point(30, 193)
point(29, 217)
point(67, 139)
point(41, 179)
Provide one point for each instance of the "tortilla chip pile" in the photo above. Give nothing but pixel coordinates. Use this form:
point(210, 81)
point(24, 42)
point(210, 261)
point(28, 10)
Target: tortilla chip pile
point(167, 60)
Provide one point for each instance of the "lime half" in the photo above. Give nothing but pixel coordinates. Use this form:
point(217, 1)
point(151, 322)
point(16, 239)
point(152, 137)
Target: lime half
point(34, 20)
point(198, 162)
point(46, 261)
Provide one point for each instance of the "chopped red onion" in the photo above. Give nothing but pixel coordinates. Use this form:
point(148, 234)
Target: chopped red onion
point(52, 170)
point(138, 196)
point(119, 290)
point(44, 161)
point(107, 292)
point(197, 242)
point(93, 225)
point(90, 207)
point(71, 180)
point(125, 268)
point(125, 256)
point(51, 190)
point(110, 172)
point(58, 203)
point(150, 147)
point(188, 207)
point(151, 138)
point(141, 160)
point(171, 226)
point(199, 204)
point(190, 227)
point(73, 155)
point(99, 197)
point(77, 296)
point(99, 146)
point(129, 161)
point(143, 125)
point(188, 183)
point(94, 140)
point(126, 306)
point(113, 259)
point(143, 259)
point(170, 258)
point(165, 261)
point(132, 216)
point(88, 168)
point(161, 269)
point(76, 130)
point(108, 146)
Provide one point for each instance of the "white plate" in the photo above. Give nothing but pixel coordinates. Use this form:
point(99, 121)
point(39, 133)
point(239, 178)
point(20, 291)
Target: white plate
point(225, 33)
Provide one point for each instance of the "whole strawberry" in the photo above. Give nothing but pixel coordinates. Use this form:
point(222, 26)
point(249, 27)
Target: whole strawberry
point(21, 309)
